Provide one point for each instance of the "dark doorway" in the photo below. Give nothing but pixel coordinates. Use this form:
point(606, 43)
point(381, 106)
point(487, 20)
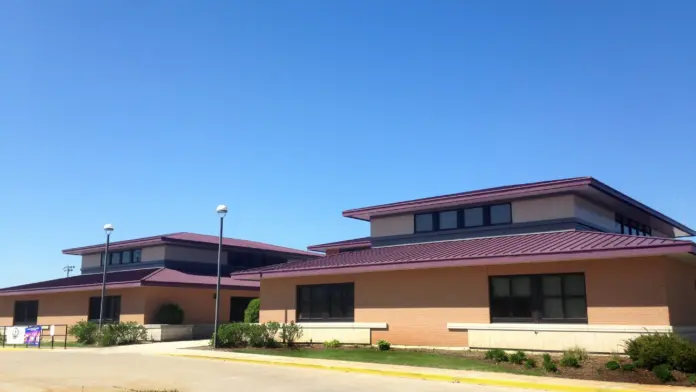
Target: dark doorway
point(237, 307)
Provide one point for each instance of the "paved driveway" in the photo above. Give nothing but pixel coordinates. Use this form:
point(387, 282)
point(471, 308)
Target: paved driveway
point(95, 371)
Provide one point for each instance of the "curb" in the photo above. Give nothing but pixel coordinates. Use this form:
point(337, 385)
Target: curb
point(423, 376)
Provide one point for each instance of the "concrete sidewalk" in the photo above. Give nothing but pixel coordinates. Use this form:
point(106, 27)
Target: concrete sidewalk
point(454, 376)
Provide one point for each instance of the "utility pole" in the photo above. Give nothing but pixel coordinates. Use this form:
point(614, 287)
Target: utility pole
point(68, 269)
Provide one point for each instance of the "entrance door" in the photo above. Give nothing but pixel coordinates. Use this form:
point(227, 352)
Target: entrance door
point(237, 307)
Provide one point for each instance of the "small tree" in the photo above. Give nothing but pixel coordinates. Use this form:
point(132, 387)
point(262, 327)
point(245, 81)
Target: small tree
point(251, 314)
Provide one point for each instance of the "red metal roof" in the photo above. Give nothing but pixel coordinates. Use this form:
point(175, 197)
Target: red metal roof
point(125, 279)
point(506, 193)
point(183, 238)
point(538, 247)
point(354, 243)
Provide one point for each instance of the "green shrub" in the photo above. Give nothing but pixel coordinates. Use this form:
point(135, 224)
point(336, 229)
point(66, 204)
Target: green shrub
point(256, 335)
point(272, 328)
point(290, 333)
point(573, 357)
point(497, 355)
point(383, 345)
point(650, 350)
point(612, 365)
point(332, 343)
point(518, 357)
point(530, 363)
point(121, 333)
point(232, 335)
point(251, 314)
point(692, 379)
point(169, 314)
point(84, 332)
point(628, 367)
point(663, 372)
point(549, 364)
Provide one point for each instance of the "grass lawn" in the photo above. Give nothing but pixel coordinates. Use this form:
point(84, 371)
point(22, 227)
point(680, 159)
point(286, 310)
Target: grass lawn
point(395, 357)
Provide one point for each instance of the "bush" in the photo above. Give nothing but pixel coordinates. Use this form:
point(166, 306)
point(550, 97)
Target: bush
point(530, 363)
point(497, 355)
point(121, 333)
point(232, 335)
point(256, 335)
point(549, 364)
point(290, 333)
point(272, 328)
point(650, 350)
point(628, 367)
point(518, 357)
point(571, 358)
point(577, 352)
point(332, 344)
point(84, 332)
point(383, 345)
point(612, 365)
point(251, 314)
point(692, 379)
point(169, 314)
point(663, 372)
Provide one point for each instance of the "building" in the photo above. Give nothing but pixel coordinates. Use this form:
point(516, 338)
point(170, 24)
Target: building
point(540, 266)
point(143, 274)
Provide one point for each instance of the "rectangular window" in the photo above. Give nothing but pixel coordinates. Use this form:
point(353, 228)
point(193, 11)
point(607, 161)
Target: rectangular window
point(115, 258)
point(424, 222)
point(126, 257)
point(25, 312)
point(473, 217)
point(631, 227)
point(448, 220)
point(501, 214)
point(326, 302)
point(538, 298)
point(136, 255)
point(112, 309)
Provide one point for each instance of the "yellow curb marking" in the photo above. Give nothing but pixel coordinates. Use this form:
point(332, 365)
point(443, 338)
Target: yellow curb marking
point(423, 376)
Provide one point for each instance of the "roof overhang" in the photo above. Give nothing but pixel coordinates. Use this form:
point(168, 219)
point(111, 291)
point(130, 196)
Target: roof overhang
point(348, 244)
point(663, 250)
point(579, 185)
point(120, 285)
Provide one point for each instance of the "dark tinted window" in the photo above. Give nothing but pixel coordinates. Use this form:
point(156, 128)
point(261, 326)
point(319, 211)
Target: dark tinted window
point(448, 220)
point(473, 217)
point(26, 312)
point(112, 309)
point(424, 222)
point(325, 302)
point(538, 298)
point(501, 214)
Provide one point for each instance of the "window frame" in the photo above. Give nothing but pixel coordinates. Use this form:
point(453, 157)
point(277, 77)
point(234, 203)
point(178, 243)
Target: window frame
point(120, 254)
point(25, 320)
point(114, 317)
point(461, 218)
point(537, 297)
point(630, 227)
point(328, 287)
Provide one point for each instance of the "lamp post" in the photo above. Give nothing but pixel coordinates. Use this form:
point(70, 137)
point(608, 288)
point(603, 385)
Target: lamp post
point(221, 211)
point(108, 228)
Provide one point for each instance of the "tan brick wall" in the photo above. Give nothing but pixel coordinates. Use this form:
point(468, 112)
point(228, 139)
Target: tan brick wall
point(681, 292)
point(198, 304)
point(69, 308)
point(418, 304)
point(137, 304)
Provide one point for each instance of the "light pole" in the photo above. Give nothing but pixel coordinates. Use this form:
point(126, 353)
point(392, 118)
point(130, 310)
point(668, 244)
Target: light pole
point(108, 228)
point(68, 269)
point(221, 211)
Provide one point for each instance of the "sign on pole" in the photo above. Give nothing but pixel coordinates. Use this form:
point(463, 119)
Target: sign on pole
point(14, 335)
point(32, 335)
point(52, 330)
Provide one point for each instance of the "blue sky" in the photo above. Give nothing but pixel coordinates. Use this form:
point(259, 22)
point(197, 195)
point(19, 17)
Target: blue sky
point(149, 114)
